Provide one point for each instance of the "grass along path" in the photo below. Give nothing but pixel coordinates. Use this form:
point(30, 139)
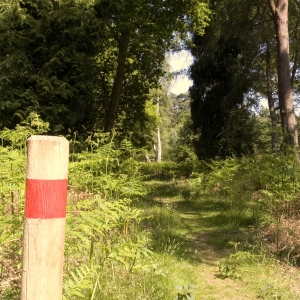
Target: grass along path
point(207, 243)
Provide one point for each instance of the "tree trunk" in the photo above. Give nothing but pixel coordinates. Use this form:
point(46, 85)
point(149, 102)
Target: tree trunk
point(112, 111)
point(148, 160)
point(286, 105)
point(273, 115)
point(294, 70)
point(158, 151)
point(296, 54)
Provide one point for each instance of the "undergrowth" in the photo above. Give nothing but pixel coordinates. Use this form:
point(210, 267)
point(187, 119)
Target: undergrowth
point(262, 194)
point(108, 254)
point(120, 245)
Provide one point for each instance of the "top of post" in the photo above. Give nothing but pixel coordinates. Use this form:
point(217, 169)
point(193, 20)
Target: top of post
point(47, 138)
point(47, 157)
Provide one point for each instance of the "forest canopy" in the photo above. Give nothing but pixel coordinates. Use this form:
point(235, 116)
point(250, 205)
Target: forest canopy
point(88, 66)
point(243, 57)
point(100, 66)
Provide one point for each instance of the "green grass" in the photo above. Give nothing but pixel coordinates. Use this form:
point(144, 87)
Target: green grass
point(210, 245)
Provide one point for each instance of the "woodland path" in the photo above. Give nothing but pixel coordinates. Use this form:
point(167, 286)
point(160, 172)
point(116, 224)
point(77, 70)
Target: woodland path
point(206, 241)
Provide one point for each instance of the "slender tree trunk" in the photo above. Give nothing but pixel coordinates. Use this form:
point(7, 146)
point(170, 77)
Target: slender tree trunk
point(286, 105)
point(112, 111)
point(158, 151)
point(295, 65)
point(148, 160)
point(273, 115)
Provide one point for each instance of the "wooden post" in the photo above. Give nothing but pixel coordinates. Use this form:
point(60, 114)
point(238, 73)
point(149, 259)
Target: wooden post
point(45, 216)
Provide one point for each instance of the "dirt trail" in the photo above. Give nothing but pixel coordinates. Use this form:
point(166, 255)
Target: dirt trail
point(207, 229)
point(201, 235)
point(207, 269)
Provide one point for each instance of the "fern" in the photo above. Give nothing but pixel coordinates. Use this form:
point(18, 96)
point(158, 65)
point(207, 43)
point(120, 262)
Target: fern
point(107, 170)
point(18, 136)
point(103, 242)
point(78, 283)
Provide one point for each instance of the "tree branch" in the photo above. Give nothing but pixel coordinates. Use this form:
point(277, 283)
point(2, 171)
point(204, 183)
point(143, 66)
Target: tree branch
point(272, 7)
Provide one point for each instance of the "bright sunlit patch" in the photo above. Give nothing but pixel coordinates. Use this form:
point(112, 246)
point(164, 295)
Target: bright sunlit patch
point(180, 62)
point(180, 85)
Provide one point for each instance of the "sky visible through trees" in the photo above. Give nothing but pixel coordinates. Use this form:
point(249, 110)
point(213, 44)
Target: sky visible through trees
point(180, 61)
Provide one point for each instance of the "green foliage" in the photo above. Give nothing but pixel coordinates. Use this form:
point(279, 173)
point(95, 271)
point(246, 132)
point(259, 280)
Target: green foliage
point(200, 16)
point(78, 281)
point(48, 64)
point(228, 268)
point(258, 193)
point(181, 135)
point(102, 225)
point(59, 58)
point(242, 265)
point(114, 239)
point(106, 248)
point(164, 221)
point(108, 233)
point(112, 171)
point(270, 292)
point(185, 292)
point(17, 137)
point(169, 170)
point(12, 171)
point(108, 181)
point(224, 74)
point(243, 134)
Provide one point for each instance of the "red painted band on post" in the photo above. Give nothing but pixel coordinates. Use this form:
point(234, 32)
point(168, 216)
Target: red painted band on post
point(46, 199)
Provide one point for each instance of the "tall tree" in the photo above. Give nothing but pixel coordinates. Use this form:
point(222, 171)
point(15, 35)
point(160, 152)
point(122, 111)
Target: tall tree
point(48, 64)
point(222, 75)
point(112, 110)
point(159, 146)
point(270, 97)
point(152, 23)
point(267, 72)
point(181, 137)
point(77, 63)
point(279, 14)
